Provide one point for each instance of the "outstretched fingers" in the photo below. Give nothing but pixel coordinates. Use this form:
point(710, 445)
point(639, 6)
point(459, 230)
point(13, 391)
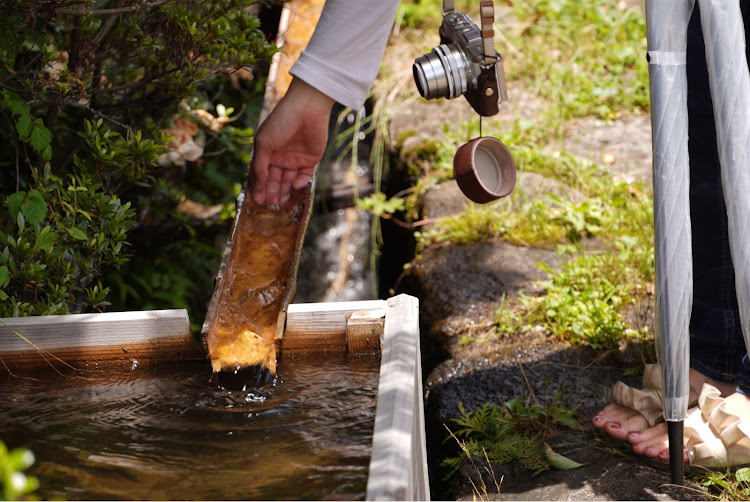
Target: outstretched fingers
point(260, 169)
point(303, 176)
point(273, 190)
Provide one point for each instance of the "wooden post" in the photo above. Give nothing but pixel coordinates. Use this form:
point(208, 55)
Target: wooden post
point(323, 326)
point(363, 333)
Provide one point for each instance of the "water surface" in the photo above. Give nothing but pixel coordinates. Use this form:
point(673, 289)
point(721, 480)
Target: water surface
point(168, 433)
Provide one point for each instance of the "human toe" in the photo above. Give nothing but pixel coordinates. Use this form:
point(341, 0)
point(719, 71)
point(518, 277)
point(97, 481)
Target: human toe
point(618, 421)
point(654, 447)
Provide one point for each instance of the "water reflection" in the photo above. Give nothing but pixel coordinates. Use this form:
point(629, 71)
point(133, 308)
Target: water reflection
point(167, 433)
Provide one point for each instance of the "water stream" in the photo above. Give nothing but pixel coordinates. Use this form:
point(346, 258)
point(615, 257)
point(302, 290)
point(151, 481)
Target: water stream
point(168, 433)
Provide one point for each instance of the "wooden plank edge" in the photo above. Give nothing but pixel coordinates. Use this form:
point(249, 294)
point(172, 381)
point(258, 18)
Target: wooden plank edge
point(135, 355)
point(218, 281)
point(147, 336)
point(364, 334)
point(398, 464)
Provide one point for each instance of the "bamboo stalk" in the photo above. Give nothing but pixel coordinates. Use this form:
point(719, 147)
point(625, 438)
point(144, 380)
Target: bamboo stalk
point(257, 278)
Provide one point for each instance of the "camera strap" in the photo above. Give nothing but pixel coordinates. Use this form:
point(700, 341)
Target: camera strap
point(487, 16)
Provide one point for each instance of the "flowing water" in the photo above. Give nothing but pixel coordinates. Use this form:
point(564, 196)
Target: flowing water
point(169, 433)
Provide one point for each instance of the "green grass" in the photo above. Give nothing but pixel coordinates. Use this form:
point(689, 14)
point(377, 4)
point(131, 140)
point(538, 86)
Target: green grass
point(584, 300)
point(581, 58)
point(513, 432)
point(724, 485)
point(587, 57)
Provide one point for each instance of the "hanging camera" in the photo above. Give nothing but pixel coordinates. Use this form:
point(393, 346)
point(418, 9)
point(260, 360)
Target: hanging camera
point(467, 64)
point(460, 66)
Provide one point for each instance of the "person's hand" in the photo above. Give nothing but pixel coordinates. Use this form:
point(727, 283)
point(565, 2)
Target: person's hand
point(290, 143)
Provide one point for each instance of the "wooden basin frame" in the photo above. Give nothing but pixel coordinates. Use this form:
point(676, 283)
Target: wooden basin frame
point(398, 467)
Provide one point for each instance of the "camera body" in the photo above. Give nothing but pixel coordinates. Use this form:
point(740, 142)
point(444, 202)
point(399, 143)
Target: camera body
point(457, 67)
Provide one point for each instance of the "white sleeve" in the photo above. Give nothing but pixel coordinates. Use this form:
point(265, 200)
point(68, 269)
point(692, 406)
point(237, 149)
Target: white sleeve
point(343, 56)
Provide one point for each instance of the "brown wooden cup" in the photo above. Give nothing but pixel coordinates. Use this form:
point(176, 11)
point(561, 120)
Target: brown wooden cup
point(484, 169)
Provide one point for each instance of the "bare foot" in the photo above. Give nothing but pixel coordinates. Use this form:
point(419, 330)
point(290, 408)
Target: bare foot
point(619, 421)
point(627, 424)
point(653, 442)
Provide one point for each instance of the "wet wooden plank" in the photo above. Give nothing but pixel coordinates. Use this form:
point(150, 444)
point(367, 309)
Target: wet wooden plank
point(364, 334)
point(144, 336)
point(323, 326)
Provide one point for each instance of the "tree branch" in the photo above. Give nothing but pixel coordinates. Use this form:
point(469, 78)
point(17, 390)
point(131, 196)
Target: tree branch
point(99, 114)
point(119, 10)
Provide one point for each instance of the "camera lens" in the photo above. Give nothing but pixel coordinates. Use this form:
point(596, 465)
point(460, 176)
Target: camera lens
point(441, 73)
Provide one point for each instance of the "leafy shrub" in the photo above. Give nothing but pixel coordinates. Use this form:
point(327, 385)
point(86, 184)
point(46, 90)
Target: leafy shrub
point(60, 235)
point(512, 433)
point(14, 484)
point(111, 115)
point(585, 300)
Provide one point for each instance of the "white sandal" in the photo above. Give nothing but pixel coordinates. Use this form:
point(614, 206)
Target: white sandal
point(713, 436)
point(648, 399)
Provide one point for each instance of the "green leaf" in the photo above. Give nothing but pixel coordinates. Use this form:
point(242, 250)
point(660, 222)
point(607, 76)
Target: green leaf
point(47, 153)
point(34, 208)
point(566, 420)
point(4, 276)
point(17, 107)
point(45, 240)
point(21, 459)
point(40, 136)
point(558, 461)
point(24, 126)
point(77, 233)
point(743, 474)
point(14, 202)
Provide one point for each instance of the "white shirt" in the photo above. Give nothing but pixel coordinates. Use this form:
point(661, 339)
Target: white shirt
point(343, 56)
